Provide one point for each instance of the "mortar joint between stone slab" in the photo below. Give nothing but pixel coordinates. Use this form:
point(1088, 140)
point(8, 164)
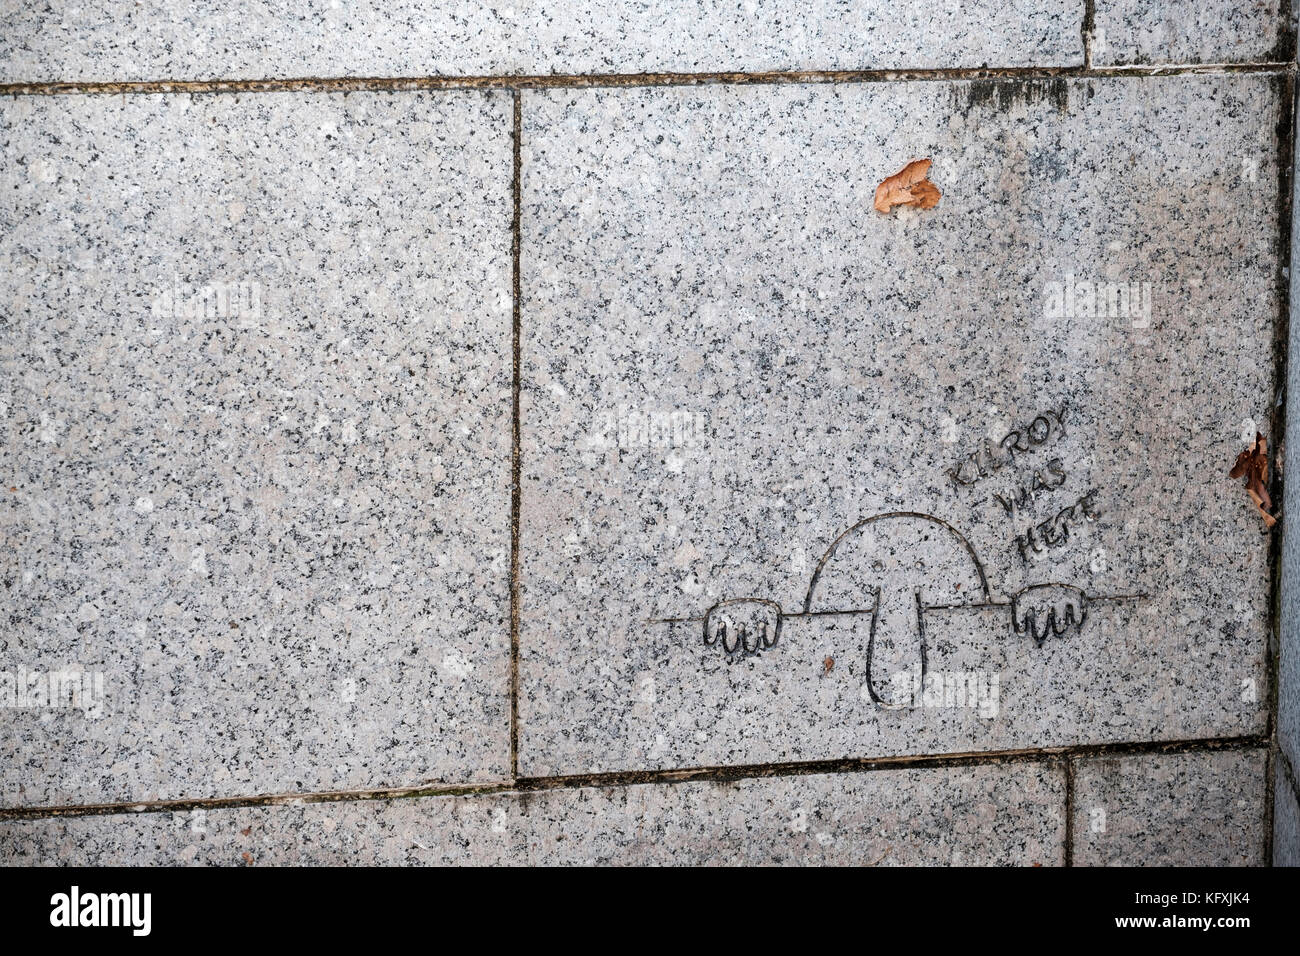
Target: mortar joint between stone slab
point(1089, 21)
point(516, 495)
point(624, 80)
point(617, 779)
point(1285, 132)
point(1067, 851)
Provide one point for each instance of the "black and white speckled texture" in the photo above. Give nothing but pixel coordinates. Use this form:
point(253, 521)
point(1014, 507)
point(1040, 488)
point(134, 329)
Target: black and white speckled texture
point(251, 39)
point(1011, 815)
point(712, 252)
point(1192, 809)
point(282, 535)
point(1286, 822)
point(1132, 32)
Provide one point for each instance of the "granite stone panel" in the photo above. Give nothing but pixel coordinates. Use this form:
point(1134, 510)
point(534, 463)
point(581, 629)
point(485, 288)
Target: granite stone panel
point(255, 395)
point(974, 816)
point(1158, 32)
point(802, 481)
point(100, 40)
point(1193, 809)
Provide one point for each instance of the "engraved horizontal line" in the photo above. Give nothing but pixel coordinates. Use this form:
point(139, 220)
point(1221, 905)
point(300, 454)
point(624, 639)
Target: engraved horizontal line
point(615, 779)
point(699, 619)
point(964, 606)
point(1092, 598)
point(586, 80)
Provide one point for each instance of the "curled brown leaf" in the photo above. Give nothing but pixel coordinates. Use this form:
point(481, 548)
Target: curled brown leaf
point(1252, 464)
point(908, 187)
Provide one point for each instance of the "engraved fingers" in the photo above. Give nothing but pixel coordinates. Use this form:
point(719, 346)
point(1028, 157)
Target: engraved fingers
point(1048, 610)
point(743, 627)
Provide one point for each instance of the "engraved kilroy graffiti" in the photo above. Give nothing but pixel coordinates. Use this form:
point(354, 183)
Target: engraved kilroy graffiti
point(890, 573)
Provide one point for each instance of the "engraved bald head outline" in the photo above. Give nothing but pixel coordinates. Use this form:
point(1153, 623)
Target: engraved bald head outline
point(898, 564)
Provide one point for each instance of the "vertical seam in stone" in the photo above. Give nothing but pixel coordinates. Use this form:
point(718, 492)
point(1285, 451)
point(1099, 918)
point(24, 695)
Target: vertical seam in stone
point(1277, 428)
point(1068, 849)
point(1089, 21)
point(515, 429)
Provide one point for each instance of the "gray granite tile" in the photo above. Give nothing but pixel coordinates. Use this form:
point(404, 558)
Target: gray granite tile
point(269, 527)
point(730, 360)
point(1193, 809)
point(1286, 821)
point(1003, 815)
point(1127, 32)
point(248, 39)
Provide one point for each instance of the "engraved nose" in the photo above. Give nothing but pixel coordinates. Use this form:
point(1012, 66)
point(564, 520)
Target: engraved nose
point(896, 645)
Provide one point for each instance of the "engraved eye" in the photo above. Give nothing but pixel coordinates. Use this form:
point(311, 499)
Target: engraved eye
point(877, 566)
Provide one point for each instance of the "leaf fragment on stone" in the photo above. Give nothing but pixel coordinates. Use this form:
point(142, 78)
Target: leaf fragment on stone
point(1252, 464)
point(908, 187)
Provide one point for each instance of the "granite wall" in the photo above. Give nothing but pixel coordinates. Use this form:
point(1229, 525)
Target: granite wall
point(447, 432)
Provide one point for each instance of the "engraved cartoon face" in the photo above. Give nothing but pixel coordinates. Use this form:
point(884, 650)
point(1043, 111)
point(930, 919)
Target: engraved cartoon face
point(896, 565)
point(883, 576)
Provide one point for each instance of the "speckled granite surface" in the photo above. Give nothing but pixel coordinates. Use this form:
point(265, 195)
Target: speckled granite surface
point(1127, 32)
point(730, 360)
point(275, 522)
point(1286, 823)
point(251, 39)
point(1193, 809)
point(972, 816)
point(799, 480)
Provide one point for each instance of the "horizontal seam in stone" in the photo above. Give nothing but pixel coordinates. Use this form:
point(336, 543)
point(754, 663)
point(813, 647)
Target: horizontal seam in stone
point(578, 81)
point(618, 779)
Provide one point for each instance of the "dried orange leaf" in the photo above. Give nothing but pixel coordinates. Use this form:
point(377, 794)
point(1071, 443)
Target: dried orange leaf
point(908, 187)
point(1259, 494)
point(1243, 462)
point(926, 195)
point(1253, 465)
